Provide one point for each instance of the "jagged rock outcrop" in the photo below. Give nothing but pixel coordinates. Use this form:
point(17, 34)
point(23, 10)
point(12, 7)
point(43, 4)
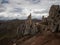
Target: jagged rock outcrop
point(54, 18)
point(20, 30)
point(52, 22)
point(28, 28)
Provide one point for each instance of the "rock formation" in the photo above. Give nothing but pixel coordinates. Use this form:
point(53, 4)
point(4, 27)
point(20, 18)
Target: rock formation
point(28, 28)
point(54, 18)
point(52, 22)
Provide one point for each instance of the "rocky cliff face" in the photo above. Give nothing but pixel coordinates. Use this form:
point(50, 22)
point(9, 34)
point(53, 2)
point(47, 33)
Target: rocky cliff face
point(52, 22)
point(54, 18)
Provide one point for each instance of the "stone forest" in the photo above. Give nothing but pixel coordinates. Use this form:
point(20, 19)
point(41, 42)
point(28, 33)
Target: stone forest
point(32, 32)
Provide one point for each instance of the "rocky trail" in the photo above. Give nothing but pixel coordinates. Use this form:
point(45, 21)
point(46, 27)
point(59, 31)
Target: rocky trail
point(40, 40)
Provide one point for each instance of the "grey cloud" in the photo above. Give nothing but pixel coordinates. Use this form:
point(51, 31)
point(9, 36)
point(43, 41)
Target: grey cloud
point(2, 10)
point(40, 12)
point(16, 10)
point(33, 1)
point(3, 18)
point(4, 1)
point(15, 7)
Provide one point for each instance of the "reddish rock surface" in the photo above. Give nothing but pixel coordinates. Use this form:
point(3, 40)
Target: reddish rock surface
point(42, 40)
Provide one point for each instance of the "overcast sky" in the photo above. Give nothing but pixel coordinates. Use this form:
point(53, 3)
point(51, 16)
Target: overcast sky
point(12, 9)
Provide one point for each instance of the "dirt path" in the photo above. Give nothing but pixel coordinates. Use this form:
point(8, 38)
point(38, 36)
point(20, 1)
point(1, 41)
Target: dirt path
point(41, 40)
